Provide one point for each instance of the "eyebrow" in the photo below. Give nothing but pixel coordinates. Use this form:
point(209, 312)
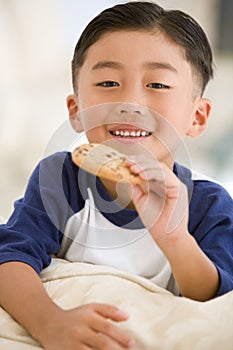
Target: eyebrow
point(107, 64)
point(146, 65)
point(160, 65)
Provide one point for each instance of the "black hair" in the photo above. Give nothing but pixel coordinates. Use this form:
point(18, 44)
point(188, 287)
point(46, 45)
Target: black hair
point(145, 15)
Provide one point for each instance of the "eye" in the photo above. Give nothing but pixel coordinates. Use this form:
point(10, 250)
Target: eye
point(108, 84)
point(158, 86)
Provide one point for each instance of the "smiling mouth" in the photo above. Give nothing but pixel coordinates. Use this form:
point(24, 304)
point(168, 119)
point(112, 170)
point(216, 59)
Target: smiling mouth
point(130, 133)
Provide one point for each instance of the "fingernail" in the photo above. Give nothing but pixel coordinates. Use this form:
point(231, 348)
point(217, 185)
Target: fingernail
point(131, 343)
point(123, 313)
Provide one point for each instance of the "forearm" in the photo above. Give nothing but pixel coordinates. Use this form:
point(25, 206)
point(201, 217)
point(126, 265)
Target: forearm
point(163, 209)
point(195, 274)
point(23, 295)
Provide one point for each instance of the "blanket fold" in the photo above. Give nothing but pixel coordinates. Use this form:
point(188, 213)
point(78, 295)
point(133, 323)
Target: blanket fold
point(158, 319)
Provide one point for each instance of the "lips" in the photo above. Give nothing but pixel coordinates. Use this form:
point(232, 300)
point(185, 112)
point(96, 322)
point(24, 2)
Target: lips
point(127, 131)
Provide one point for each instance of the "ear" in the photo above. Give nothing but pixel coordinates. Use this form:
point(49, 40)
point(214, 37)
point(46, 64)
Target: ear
point(201, 115)
point(72, 105)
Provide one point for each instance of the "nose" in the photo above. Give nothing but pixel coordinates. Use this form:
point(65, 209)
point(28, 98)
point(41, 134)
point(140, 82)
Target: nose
point(129, 108)
point(131, 113)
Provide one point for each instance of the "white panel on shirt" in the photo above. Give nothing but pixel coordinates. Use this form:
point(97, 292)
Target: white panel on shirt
point(92, 238)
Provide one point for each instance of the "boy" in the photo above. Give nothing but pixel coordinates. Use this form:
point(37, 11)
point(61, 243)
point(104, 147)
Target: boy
point(140, 56)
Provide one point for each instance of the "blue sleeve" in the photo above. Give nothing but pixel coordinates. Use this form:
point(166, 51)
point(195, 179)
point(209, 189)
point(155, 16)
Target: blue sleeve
point(34, 231)
point(211, 223)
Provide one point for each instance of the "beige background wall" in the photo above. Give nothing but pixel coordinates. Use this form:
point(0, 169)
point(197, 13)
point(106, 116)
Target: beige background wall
point(37, 41)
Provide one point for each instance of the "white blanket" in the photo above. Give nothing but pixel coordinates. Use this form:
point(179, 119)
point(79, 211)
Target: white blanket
point(158, 320)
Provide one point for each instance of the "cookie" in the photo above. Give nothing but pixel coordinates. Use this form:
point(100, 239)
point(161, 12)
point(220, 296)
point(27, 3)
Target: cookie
point(105, 162)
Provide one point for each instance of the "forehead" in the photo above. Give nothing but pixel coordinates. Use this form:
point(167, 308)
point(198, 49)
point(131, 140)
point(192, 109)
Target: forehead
point(136, 47)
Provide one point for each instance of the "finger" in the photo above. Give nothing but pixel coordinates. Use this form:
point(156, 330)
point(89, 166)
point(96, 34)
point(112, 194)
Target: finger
point(162, 175)
point(110, 311)
point(108, 328)
point(148, 174)
point(153, 175)
point(142, 163)
point(148, 171)
point(149, 208)
point(137, 195)
point(98, 340)
point(112, 332)
point(86, 347)
point(154, 185)
point(142, 199)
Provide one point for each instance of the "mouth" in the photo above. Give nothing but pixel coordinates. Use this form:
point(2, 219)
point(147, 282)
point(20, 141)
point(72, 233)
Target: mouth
point(130, 133)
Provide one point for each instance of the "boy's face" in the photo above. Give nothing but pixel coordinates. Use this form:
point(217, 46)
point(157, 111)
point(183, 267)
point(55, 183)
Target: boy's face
point(141, 68)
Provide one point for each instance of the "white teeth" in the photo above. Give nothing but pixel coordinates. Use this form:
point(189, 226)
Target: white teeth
point(126, 133)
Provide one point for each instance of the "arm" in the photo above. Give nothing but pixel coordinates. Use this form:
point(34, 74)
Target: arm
point(195, 274)
point(22, 295)
point(27, 241)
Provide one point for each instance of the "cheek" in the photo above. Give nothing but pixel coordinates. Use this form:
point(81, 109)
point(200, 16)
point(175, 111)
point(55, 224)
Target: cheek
point(83, 101)
point(96, 134)
point(178, 112)
point(85, 97)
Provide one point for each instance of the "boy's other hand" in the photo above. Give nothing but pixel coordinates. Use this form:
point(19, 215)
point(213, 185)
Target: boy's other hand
point(163, 202)
point(87, 327)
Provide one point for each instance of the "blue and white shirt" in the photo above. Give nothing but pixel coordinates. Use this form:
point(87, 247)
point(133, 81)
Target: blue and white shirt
point(67, 212)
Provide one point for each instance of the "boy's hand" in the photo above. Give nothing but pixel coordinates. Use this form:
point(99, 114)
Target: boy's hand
point(87, 327)
point(163, 202)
